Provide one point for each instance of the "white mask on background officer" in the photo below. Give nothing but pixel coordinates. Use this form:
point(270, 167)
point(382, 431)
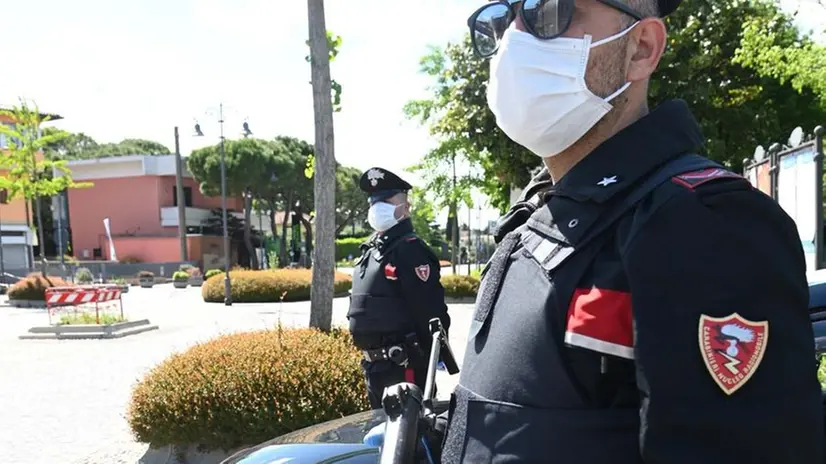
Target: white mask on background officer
point(385, 214)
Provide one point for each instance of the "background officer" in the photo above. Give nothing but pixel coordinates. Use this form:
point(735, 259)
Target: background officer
point(396, 290)
point(653, 307)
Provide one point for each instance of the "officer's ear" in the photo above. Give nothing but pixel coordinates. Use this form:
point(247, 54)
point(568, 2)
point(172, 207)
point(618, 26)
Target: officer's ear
point(645, 48)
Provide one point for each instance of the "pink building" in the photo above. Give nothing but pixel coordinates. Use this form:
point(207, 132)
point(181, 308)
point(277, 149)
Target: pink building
point(138, 195)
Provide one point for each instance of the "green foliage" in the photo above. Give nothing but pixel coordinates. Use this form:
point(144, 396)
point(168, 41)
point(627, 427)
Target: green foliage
point(243, 389)
point(349, 247)
point(770, 47)
point(84, 276)
point(333, 44)
point(714, 52)
point(423, 217)
point(458, 286)
point(180, 276)
point(27, 176)
point(89, 318)
point(212, 273)
point(34, 286)
point(736, 106)
point(269, 286)
point(80, 146)
point(821, 372)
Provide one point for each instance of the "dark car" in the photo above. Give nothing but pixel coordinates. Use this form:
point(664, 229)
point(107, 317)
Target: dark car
point(338, 441)
point(817, 308)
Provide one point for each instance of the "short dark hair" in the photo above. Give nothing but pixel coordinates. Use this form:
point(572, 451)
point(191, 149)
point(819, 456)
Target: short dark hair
point(646, 8)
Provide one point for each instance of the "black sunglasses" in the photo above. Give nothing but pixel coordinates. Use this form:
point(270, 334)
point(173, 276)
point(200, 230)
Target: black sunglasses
point(544, 19)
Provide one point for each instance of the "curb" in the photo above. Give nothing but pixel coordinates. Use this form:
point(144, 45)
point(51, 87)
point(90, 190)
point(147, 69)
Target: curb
point(94, 332)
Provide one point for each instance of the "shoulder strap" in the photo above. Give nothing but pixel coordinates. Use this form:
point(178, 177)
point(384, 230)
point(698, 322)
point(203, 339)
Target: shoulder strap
point(404, 238)
point(681, 165)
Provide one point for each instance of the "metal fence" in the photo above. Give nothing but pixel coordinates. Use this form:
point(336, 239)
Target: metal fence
point(793, 176)
point(103, 269)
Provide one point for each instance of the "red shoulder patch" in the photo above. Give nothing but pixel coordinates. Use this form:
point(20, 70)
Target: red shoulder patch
point(390, 272)
point(694, 179)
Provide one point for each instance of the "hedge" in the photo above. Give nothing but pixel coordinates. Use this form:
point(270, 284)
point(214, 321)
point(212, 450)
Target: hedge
point(212, 272)
point(269, 286)
point(246, 388)
point(349, 247)
point(34, 286)
point(458, 286)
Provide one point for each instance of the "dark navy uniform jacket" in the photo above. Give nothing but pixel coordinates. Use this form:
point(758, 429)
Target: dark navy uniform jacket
point(396, 290)
point(680, 335)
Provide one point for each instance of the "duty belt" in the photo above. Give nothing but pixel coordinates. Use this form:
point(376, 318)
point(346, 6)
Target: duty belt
point(394, 353)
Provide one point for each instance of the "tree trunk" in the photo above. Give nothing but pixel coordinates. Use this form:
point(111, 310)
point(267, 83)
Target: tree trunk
point(282, 249)
point(274, 230)
point(308, 234)
point(324, 179)
point(248, 232)
point(40, 239)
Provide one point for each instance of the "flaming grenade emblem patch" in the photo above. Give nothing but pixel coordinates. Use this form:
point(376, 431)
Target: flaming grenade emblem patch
point(732, 348)
point(374, 175)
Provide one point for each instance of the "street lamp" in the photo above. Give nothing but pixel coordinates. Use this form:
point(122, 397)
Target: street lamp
point(227, 251)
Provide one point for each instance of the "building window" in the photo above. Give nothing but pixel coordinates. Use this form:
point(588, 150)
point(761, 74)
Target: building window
point(187, 196)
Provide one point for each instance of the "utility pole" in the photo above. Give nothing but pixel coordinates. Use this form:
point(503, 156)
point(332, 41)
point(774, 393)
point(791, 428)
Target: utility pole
point(3, 199)
point(454, 217)
point(179, 195)
point(227, 250)
point(469, 239)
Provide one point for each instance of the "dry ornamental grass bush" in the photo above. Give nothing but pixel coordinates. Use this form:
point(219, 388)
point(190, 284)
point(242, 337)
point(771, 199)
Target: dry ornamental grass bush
point(460, 285)
point(269, 285)
point(34, 286)
point(243, 389)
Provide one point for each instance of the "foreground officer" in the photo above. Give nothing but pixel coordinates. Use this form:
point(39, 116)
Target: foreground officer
point(644, 305)
point(396, 290)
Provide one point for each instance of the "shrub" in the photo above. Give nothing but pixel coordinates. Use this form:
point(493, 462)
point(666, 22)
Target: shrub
point(245, 388)
point(213, 272)
point(34, 286)
point(84, 276)
point(269, 285)
point(349, 246)
point(179, 276)
point(146, 274)
point(458, 286)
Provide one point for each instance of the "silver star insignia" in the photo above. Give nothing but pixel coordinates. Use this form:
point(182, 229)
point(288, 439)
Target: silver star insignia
point(606, 181)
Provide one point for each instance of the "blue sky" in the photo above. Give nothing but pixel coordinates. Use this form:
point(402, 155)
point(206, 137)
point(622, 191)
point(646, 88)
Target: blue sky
point(118, 69)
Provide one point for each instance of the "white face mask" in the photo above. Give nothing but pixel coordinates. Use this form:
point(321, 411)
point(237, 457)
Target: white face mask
point(538, 94)
point(382, 216)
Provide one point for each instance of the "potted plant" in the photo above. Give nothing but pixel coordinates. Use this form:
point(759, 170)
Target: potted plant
point(196, 279)
point(119, 281)
point(83, 276)
point(180, 279)
point(146, 279)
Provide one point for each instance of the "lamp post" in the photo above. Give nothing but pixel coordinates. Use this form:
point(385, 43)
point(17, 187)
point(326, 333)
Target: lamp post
point(227, 250)
point(3, 200)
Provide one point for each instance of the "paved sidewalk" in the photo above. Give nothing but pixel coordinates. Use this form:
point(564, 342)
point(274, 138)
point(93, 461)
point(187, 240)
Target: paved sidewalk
point(64, 401)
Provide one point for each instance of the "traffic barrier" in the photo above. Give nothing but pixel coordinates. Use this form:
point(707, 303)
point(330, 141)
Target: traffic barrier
point(61, 297)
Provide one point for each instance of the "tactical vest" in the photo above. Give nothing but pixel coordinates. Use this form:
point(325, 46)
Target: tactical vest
point(518, 398)
point(377, 315)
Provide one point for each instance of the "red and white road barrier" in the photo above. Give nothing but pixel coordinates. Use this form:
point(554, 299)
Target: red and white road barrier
point(76, 296)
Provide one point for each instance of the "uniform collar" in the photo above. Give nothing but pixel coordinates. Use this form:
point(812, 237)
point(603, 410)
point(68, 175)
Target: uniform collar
point(403, 227)
point(663, 134)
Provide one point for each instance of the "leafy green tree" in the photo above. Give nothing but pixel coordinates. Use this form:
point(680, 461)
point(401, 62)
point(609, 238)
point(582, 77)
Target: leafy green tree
point(705, 64)
point(250, 166)
point(68, 145)
point(28, 173)
point(737, 107)
point(351, 202)
point(770, 48)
